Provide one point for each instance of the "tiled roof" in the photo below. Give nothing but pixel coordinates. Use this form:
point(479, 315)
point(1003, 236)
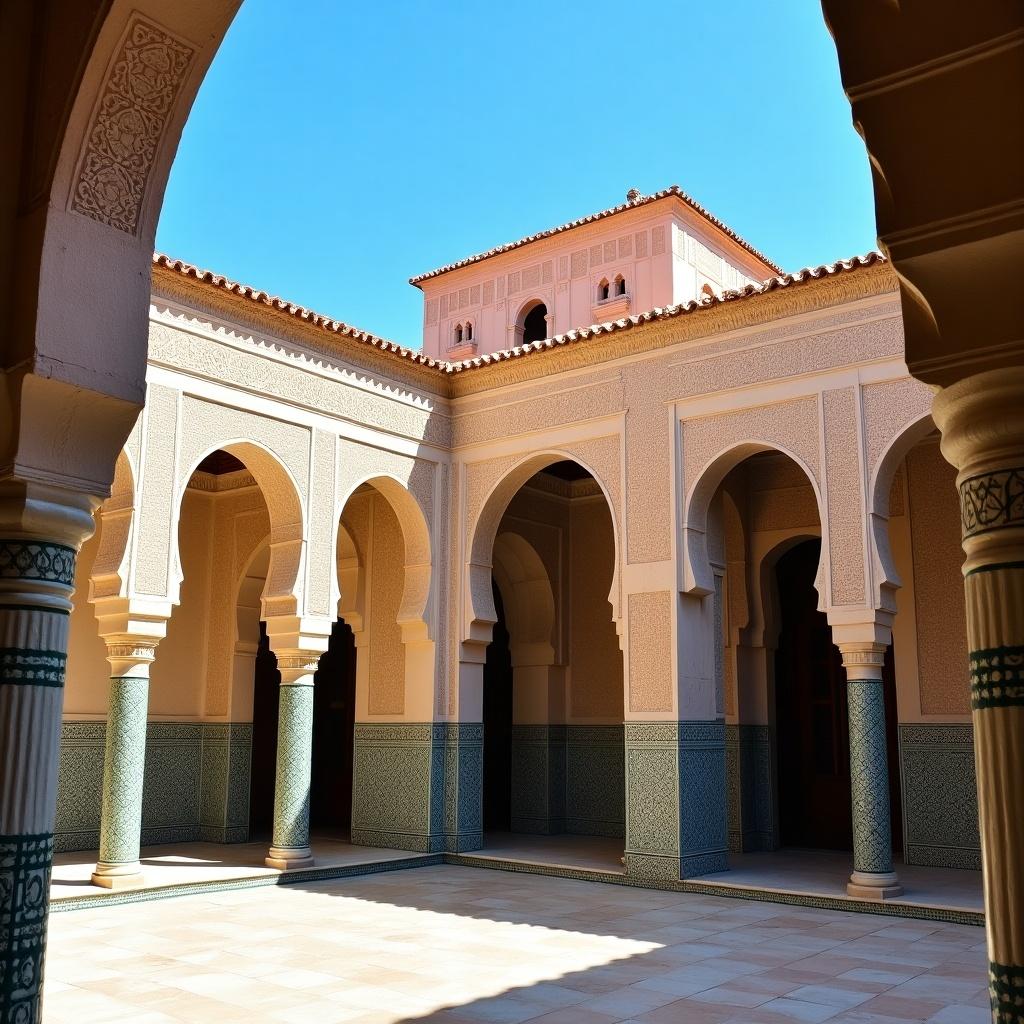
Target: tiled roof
point(671, 312)
point(632, 204)
point(337, 328)
point(325, 323)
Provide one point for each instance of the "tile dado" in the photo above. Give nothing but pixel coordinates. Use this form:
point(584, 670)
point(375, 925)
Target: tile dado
point(196, 783)
point(751, 798)
point(940, 797)
point(568, 778)
point(417, 786)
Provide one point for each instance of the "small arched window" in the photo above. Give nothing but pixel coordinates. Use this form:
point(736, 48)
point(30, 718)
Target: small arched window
point(469, 330)
point(620, 285)
point(603, 291)
point(458, 334)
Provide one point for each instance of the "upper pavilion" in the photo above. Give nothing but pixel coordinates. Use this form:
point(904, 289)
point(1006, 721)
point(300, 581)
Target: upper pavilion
point(649, 252)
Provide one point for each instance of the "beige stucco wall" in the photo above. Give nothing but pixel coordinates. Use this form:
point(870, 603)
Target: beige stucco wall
point(85, 690)
point(595, 681)
point(930, 634)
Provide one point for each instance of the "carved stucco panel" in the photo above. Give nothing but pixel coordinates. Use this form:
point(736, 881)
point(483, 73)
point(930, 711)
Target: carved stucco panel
point(650, 652)
point(127, 127)
point(322, 525)
point(827, 343)
point(253, 371)
point(157, 491)
point(845, 505)
point(358, 463)
point(791, 426)
point(889, 408)
point(550, 405)
point(211, 426)
point(648, 469)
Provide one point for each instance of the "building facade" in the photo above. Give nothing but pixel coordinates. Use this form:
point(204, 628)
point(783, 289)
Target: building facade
point(688, 578)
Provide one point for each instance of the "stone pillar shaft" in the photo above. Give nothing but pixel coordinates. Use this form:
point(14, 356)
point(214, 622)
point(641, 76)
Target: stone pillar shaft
point(124, 763)
point(39, 537)
point(982, 424)
point(290, 845)
point(873, 875)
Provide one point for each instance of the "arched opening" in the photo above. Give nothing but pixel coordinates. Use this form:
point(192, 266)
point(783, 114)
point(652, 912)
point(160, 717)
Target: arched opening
point(784, 690)
point(603, 290)
point(458, 335)
point(384, 568)
point(498, 722)
point(554, 773)
point(533, 323)
point(916, 528)
point(620, 285)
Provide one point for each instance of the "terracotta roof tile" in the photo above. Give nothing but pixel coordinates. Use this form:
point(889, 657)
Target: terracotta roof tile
point(671, 312)
point(672, 190)
point(337, 328)
point(299, 312)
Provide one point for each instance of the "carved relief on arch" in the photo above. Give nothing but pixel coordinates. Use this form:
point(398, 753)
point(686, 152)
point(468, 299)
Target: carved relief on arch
point(111, 569)
point(134, 105)
point(490, 486)
point(714, 445)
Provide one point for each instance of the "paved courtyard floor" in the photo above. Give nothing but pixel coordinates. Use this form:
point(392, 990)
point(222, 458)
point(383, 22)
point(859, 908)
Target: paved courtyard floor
point(456, 945)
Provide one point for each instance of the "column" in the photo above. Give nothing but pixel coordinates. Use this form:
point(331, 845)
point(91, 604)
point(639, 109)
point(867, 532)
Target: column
point(124, 763)
point(290, 845)
point(40, 533)
point(873, 875)
point(982, 424)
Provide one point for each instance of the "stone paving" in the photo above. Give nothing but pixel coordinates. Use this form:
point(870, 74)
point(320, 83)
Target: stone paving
point(458, 945)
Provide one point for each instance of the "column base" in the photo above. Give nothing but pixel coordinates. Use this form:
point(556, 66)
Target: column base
point(867, 885)
point(121, 876)
point(289, 860)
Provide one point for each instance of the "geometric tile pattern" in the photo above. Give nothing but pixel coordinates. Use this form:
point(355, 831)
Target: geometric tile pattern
point(1006, 991)
point(940, 796)
point(24, 899)
point(869, 776)
point(538, 779)
point(123, 768)
point(751, 800)
point(196, 783)
point(675, 799)
point(595, 784)
point(418, 786)
point(997, 678)
point(703, 831)
point(294, 768)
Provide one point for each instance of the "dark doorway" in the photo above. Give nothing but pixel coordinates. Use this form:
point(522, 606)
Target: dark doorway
point(812, 722)
point(334, 715)
point(535, 326)
point(265, 697)
point(333, 726)
point(497, 809)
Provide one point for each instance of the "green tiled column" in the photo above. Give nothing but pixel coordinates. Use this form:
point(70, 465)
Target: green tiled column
point(36, 579)
point(124, 764)
point(290, 846)
point(873, 875)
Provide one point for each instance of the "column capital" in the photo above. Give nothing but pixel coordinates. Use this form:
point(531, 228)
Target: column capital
point(862, 659)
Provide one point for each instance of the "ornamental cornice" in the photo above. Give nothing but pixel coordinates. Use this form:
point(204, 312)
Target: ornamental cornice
point(625, 338)
point(262, 319)
point(216, 483)
point(792, 295)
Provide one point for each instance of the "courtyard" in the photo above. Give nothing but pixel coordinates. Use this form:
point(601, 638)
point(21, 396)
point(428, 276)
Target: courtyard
point(456, 944)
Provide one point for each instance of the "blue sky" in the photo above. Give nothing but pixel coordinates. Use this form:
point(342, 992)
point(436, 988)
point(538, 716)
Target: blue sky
point(336, 149)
